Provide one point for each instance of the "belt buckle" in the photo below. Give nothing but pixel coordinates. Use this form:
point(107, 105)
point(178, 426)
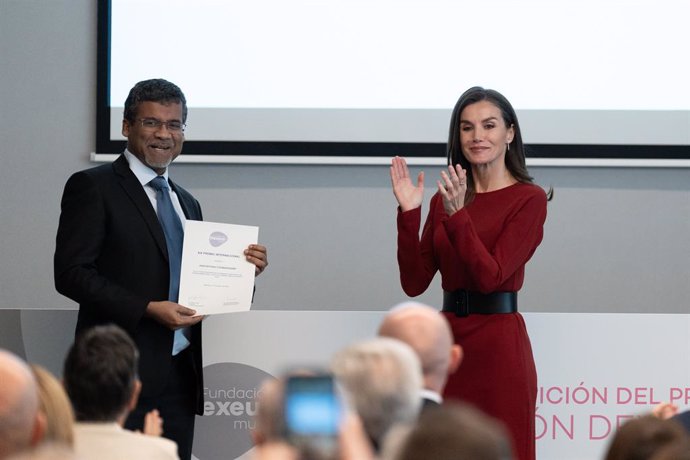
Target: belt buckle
point(462, 303)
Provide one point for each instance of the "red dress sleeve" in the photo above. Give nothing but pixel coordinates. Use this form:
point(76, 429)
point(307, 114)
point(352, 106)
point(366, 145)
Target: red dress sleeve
point(415, 258)
point(492, 265)
point(483, 247)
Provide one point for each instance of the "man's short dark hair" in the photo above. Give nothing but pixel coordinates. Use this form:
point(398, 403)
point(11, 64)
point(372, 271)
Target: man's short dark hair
point(155, 90)
point(100, 373)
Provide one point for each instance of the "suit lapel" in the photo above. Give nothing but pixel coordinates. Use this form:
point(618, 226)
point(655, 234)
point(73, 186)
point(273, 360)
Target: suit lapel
point(180, 198)
point(187, 203)
point(136, 193)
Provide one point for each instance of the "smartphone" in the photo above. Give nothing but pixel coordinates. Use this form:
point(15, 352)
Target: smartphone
point(313, 410)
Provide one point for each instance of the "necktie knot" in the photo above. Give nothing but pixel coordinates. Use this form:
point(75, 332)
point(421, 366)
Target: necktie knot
point(159, 183)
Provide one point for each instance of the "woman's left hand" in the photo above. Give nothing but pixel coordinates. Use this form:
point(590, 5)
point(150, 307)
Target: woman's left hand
point(452, 187)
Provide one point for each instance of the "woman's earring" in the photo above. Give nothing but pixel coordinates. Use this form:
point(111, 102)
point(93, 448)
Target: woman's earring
point(508, 144)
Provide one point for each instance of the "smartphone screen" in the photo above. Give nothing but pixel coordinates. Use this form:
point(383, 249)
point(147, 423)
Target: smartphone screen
point(312, 411)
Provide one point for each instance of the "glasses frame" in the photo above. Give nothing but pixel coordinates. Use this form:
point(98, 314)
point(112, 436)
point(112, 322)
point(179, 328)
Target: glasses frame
point(157, 124)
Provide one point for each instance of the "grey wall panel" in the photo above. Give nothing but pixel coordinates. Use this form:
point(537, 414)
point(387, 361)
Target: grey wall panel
point(38, 336)
point(48, 335)
point(11, 332)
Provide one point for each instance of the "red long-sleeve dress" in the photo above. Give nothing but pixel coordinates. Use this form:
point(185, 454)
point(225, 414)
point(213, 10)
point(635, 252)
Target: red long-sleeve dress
point(483, 247)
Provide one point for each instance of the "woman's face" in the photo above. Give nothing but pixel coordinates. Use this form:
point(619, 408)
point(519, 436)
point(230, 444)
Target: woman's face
point(484, 134)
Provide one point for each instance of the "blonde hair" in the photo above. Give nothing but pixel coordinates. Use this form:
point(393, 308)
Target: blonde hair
point(56, 406)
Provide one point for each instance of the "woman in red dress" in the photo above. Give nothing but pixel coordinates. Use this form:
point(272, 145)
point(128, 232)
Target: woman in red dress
point(484, 223)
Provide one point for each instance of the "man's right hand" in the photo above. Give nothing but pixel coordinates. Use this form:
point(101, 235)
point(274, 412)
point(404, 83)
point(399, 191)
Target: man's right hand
point(172, 315)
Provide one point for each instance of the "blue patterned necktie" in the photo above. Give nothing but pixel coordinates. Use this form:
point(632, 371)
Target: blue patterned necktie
point(174, 235)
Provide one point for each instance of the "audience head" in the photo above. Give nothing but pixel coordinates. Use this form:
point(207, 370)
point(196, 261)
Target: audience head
point(382, 379)
point(454, 430)
point(270, 417)
point(428, 333)
point(21, 423)
point(55, 406)
point(100, 374)
point(271, 436)
point(269, 420)
point(677, 450)
point(641, 438)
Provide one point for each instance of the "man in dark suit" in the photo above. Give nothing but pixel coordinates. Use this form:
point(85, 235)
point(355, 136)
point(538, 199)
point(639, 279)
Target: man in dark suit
point(428, 333)
point(112, 257)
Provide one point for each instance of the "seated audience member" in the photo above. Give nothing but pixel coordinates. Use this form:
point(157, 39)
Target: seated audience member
point(100, 377)
point(641, 438)
point(353, 444)
point(55, 406)
point(382, 379)
point(454, 431)
point(268, 420)
point(428, 333)
point(22, 425)
point(270, 438)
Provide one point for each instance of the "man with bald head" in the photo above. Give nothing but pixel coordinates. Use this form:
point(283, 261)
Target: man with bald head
point(21, 423)
point(428, 333)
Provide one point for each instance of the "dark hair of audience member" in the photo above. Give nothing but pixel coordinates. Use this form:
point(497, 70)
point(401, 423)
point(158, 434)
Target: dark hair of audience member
point(455, 431)
point(677, 450)
point(641, 438)
point(100, 373)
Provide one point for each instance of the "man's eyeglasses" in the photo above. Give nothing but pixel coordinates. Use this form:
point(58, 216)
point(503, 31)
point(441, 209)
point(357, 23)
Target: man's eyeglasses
point(153, 124)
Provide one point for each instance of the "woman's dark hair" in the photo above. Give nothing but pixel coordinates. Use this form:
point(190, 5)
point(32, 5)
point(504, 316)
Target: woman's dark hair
point(515, 157)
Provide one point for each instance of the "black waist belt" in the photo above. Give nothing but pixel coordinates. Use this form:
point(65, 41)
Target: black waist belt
point(464, 303)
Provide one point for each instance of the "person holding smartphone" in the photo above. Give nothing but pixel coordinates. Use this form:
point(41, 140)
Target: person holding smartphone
point(485, 222)
point(304, 416)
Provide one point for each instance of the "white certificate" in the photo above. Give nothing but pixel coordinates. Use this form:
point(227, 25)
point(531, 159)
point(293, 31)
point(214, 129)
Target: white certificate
point(215, 276)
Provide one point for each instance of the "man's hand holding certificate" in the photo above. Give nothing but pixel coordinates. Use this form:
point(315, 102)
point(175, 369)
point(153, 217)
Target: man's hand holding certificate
point(216, 276)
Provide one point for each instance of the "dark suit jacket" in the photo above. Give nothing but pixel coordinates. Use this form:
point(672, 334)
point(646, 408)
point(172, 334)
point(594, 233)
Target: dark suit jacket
point(112, 259)
point(684, 419)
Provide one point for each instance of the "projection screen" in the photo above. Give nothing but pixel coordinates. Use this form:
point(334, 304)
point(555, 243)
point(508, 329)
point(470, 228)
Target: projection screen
point(332, 81)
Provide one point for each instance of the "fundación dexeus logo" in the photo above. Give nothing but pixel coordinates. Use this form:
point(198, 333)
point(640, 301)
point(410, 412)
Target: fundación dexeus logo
point(215, 239)
point(230, 391)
